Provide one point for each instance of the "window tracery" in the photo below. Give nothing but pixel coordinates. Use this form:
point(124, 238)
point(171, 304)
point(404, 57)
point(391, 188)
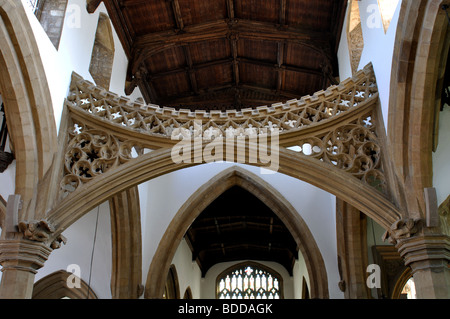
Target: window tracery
point(249, 281)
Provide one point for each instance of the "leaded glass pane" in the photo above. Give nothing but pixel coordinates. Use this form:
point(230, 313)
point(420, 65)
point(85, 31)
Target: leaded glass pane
point(249, 282)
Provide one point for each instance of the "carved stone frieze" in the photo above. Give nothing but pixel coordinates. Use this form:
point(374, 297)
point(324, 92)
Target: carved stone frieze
point(41, 231)
point(160, 121)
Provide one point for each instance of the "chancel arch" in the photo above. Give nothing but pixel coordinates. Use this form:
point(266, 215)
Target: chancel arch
point(341, 125)
point(420, 58)
point(205, 195)
point(159, 162)
point(27, 101)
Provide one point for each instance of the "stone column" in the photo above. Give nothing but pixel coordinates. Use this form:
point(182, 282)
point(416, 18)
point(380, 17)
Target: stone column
point(429, 259)
point(428, 255)
point(20, 258)
point(22, 253)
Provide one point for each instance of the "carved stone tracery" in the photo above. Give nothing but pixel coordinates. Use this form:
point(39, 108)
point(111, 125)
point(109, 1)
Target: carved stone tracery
point(335, 126)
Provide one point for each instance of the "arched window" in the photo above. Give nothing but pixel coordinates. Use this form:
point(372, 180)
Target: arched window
point(50, 14)
point(187, 293)
point(409, 289)
point(249, 281)
point(102, 53)
point(172, 290)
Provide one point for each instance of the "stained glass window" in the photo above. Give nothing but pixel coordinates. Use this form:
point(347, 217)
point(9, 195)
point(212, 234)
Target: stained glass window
point(249, 281)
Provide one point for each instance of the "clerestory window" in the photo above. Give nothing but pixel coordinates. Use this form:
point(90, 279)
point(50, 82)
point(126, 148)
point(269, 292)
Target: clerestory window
point(249, 281)
point(50, 14)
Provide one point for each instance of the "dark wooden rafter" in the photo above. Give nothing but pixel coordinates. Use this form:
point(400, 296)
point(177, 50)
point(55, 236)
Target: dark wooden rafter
point(236, 61)
point(282, 18)
point(251, 232)
point(177, 14)
point(280, 62)
point(265, 96)
point(148, 45)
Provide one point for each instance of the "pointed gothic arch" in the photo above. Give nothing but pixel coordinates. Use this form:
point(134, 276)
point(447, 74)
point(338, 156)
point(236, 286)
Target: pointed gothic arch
point(28, 105)
point(54, 286)
point(205, 195)
point(126, 240)
point(419, 61)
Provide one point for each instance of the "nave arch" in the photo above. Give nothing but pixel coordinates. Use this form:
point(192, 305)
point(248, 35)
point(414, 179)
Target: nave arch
point(419, 63)
point(28, 105)
point(205, 195)
point(159, 162)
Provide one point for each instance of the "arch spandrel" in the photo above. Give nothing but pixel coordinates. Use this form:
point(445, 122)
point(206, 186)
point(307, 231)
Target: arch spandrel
point(338, 124)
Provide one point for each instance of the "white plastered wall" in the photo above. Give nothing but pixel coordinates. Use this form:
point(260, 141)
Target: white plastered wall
point(87, 253)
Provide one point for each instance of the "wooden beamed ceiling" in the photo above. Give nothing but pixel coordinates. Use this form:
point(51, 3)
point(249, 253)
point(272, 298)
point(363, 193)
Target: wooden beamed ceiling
point(227, 54)
point(238, 226)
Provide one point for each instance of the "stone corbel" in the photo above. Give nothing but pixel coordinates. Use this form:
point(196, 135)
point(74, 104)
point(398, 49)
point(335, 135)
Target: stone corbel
point(402, 229)
point(41, 231)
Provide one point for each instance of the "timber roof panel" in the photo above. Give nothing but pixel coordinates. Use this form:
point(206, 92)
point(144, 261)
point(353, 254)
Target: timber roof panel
point(232, 53)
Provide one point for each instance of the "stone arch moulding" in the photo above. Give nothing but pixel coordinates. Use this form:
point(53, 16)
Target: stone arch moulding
point(28, 104)
point(126, 238)
point(54, 286)
point(417, 65)
point(206, 194)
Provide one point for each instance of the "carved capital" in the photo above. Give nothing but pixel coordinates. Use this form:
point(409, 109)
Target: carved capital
point(426, 252)
point(41, 231)
point(23, 255)
point(402, 229)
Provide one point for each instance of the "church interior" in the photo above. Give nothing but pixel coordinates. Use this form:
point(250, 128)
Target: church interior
point(226, 149)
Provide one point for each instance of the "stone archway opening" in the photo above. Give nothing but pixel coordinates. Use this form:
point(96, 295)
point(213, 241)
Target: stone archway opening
point(206, 195)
